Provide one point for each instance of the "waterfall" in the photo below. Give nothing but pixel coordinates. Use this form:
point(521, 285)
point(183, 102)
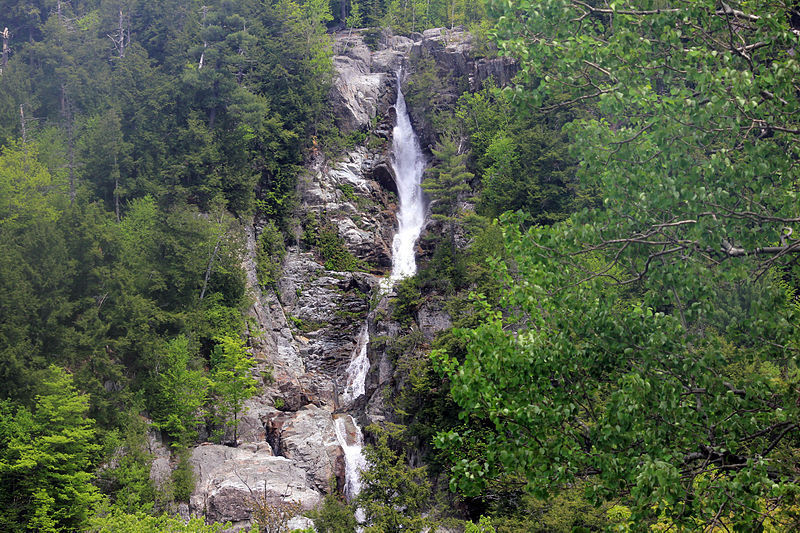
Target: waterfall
point(354, 461)
point(352, 442)
point(357, 369)
point(409, 164)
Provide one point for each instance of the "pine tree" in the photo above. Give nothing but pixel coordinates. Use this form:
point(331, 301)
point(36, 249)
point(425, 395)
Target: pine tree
point(447, 183)
point(392, 494)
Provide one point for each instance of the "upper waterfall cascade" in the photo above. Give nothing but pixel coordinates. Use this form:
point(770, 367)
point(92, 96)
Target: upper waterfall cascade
point(409, 164)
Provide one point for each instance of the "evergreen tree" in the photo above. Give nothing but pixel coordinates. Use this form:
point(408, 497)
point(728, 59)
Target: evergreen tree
point(447, 184)
point(392, 494)
point(180, 392)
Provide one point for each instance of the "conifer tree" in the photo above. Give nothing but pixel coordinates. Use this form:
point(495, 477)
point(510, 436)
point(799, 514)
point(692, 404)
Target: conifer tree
point(447, 184)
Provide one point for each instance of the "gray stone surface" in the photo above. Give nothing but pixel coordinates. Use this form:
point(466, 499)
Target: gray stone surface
point(308, 438)
point(227, 480)
point(432, 319)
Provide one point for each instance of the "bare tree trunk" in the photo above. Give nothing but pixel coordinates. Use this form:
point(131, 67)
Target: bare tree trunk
point(211, 265)
point(4, 57)
point(22, 122)
point(204, 10)
point(66, 113)
point(116, 187)
point(119, 38)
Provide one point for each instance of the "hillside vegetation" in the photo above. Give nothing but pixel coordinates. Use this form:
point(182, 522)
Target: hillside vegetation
point(613, 239)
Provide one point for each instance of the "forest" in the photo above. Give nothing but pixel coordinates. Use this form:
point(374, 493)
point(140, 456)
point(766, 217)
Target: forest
point(602, 333)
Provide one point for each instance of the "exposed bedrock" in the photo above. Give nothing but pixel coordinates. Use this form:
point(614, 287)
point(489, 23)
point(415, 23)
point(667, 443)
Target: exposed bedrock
point(304, 331)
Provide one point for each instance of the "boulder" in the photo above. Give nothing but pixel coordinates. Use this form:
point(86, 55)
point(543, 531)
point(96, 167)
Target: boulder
point(228, 479)
point(308, 438)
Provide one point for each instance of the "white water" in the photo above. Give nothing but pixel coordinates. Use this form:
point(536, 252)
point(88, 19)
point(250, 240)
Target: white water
point(353, 457)
point(357, 370)
point(409, 164)
point(354, 461)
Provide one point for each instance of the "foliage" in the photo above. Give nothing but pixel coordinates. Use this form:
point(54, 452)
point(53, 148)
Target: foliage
point(484, 525)
point(521, 157)
point(127, 476)
point(46, 459)
point(334, 516)
point(232, 380)
point(272, 514)
point(623, 391)
point(646, 345)
point(447, 184)
point(183, 476)
point(116, 521)
point(181, 389)
point(334, 252)
point(392, 494)
point(270, 254)
point(407, 301)
point(27, 188)
point(566, 512)
point(405, 16)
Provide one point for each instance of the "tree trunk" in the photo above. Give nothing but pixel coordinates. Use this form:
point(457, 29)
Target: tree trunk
point(116, 187)
point(22, 122)
point(210, 266)
point(66, 113)
point(4, 57)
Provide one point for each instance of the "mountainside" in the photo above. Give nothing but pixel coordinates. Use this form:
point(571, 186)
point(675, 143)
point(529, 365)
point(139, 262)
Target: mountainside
point(306, 328)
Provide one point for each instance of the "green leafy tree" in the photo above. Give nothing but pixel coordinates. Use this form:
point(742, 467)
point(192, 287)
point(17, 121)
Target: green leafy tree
point(27, 188)
point(581, 383)
point(47, 458)
point(621, 352)
point(232, 380)
point(392, 494)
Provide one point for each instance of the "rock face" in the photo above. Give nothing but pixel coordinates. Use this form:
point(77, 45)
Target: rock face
point(303, 332)
point(365, 81)
point(229, 479)
point(454, 52)
point(308, 437)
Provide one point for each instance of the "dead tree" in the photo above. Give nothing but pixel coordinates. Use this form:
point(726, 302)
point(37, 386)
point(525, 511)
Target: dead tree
point(122, 37)
point(4, 57)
